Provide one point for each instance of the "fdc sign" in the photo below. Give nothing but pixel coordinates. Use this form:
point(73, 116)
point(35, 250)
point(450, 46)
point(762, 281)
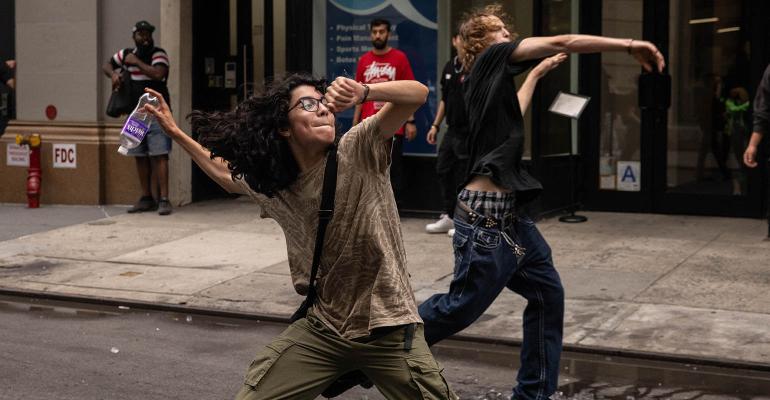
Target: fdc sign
point(65, 156)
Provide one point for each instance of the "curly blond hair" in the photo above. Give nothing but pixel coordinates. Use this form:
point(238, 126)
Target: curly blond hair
point(475, 31)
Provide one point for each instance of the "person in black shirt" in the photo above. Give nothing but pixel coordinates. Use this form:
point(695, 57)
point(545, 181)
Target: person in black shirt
point(6, 79)
point(761, 120)
point(450, 161)
point(452, 154)
point(761, 126)
point(148, 66)
point(494, 247)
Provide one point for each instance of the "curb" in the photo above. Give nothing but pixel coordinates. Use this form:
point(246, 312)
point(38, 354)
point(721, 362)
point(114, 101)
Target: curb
point(461, 338)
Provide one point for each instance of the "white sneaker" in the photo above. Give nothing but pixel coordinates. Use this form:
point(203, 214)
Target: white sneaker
point(443, 225)
point(451, 232)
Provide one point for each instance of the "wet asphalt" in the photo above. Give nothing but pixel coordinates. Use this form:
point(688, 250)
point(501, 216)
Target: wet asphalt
point(63, 350)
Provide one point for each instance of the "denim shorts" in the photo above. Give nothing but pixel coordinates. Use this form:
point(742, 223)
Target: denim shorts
point(155, 143)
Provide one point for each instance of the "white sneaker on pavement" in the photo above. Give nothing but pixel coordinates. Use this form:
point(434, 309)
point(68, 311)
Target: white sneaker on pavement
point(443, 225)
point(451, 232)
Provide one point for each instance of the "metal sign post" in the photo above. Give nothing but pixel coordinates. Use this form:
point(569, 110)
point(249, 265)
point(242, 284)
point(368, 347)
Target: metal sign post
point(571, 106)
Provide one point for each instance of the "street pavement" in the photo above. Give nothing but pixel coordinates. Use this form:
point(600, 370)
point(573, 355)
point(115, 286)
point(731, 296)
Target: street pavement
point(675, 285)
point(18, 220)
point(131, 353)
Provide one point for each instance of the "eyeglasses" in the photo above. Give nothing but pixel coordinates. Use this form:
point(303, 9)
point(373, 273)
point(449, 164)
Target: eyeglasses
point(309, 104)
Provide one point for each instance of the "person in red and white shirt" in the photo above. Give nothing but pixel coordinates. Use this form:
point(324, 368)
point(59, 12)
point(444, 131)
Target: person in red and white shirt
point(382, 64)
point(148, 66)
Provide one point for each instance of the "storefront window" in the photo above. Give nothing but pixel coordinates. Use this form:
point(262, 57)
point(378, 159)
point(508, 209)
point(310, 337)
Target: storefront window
point(709, 122)
point(558, 135)
point(619, 152)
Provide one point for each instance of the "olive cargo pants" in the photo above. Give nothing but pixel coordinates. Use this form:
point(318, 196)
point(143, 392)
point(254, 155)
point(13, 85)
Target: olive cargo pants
point(307, 357)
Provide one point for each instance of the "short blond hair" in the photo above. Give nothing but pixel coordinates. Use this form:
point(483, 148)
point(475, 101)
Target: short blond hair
point(475, 29)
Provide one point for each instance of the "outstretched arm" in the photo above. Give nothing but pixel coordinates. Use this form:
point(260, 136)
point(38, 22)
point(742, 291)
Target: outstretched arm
point(528, 87)
point(215, 168)
point(538, 47)
point(403, 98)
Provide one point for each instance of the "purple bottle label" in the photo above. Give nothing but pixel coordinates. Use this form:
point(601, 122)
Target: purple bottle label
point(135, 128)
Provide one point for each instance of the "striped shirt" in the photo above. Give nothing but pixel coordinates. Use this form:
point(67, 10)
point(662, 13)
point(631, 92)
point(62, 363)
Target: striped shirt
point(156, 56)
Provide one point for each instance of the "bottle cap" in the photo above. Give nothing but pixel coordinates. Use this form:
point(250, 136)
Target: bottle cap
point(122, 150)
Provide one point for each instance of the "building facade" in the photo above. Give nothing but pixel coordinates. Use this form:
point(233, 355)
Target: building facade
point(645, 142)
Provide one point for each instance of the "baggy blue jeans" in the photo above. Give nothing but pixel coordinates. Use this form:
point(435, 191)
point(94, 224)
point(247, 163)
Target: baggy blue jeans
point(485, 264)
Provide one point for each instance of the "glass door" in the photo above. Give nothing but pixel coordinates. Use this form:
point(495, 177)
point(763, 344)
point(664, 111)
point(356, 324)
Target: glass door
point(223, 66)
point(554, 151)
point(709, 122)
point(618, 169)
point(673, 142)
point(620, 117)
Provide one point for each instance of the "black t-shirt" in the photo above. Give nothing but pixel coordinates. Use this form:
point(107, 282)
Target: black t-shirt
point(496, 137)
point(153, 57)
point(6, 73)
point(762, 105)
point(452, 95)
point(6, 100)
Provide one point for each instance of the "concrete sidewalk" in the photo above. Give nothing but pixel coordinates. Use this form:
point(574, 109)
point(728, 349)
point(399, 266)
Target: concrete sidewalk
point(679, 285)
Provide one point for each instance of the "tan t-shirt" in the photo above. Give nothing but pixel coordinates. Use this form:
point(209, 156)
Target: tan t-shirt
point(362, 282)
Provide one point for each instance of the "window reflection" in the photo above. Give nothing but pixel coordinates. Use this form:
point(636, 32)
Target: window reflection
point(620, 116)
point(709, 122)
point(556, 132)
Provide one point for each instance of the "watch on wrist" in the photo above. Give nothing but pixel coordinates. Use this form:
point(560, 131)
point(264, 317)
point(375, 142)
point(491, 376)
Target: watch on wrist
point(366, 93)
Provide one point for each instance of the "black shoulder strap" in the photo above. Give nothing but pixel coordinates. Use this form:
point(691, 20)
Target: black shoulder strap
point(325, 213)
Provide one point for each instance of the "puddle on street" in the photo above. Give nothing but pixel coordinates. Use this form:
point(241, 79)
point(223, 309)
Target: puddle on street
point(583, 376)
point(586, 376)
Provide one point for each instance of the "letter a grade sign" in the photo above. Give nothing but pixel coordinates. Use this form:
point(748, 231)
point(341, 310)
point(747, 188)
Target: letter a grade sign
point(629, 176)
point(65, 155)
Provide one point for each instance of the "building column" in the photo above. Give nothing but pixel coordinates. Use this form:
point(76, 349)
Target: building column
point(279, 38)
point(176, 25)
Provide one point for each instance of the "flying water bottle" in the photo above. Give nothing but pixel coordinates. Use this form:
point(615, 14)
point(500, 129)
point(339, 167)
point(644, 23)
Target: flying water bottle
point(137, 124)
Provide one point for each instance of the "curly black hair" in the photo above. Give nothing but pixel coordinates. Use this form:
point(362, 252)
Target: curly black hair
point(248, 137)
